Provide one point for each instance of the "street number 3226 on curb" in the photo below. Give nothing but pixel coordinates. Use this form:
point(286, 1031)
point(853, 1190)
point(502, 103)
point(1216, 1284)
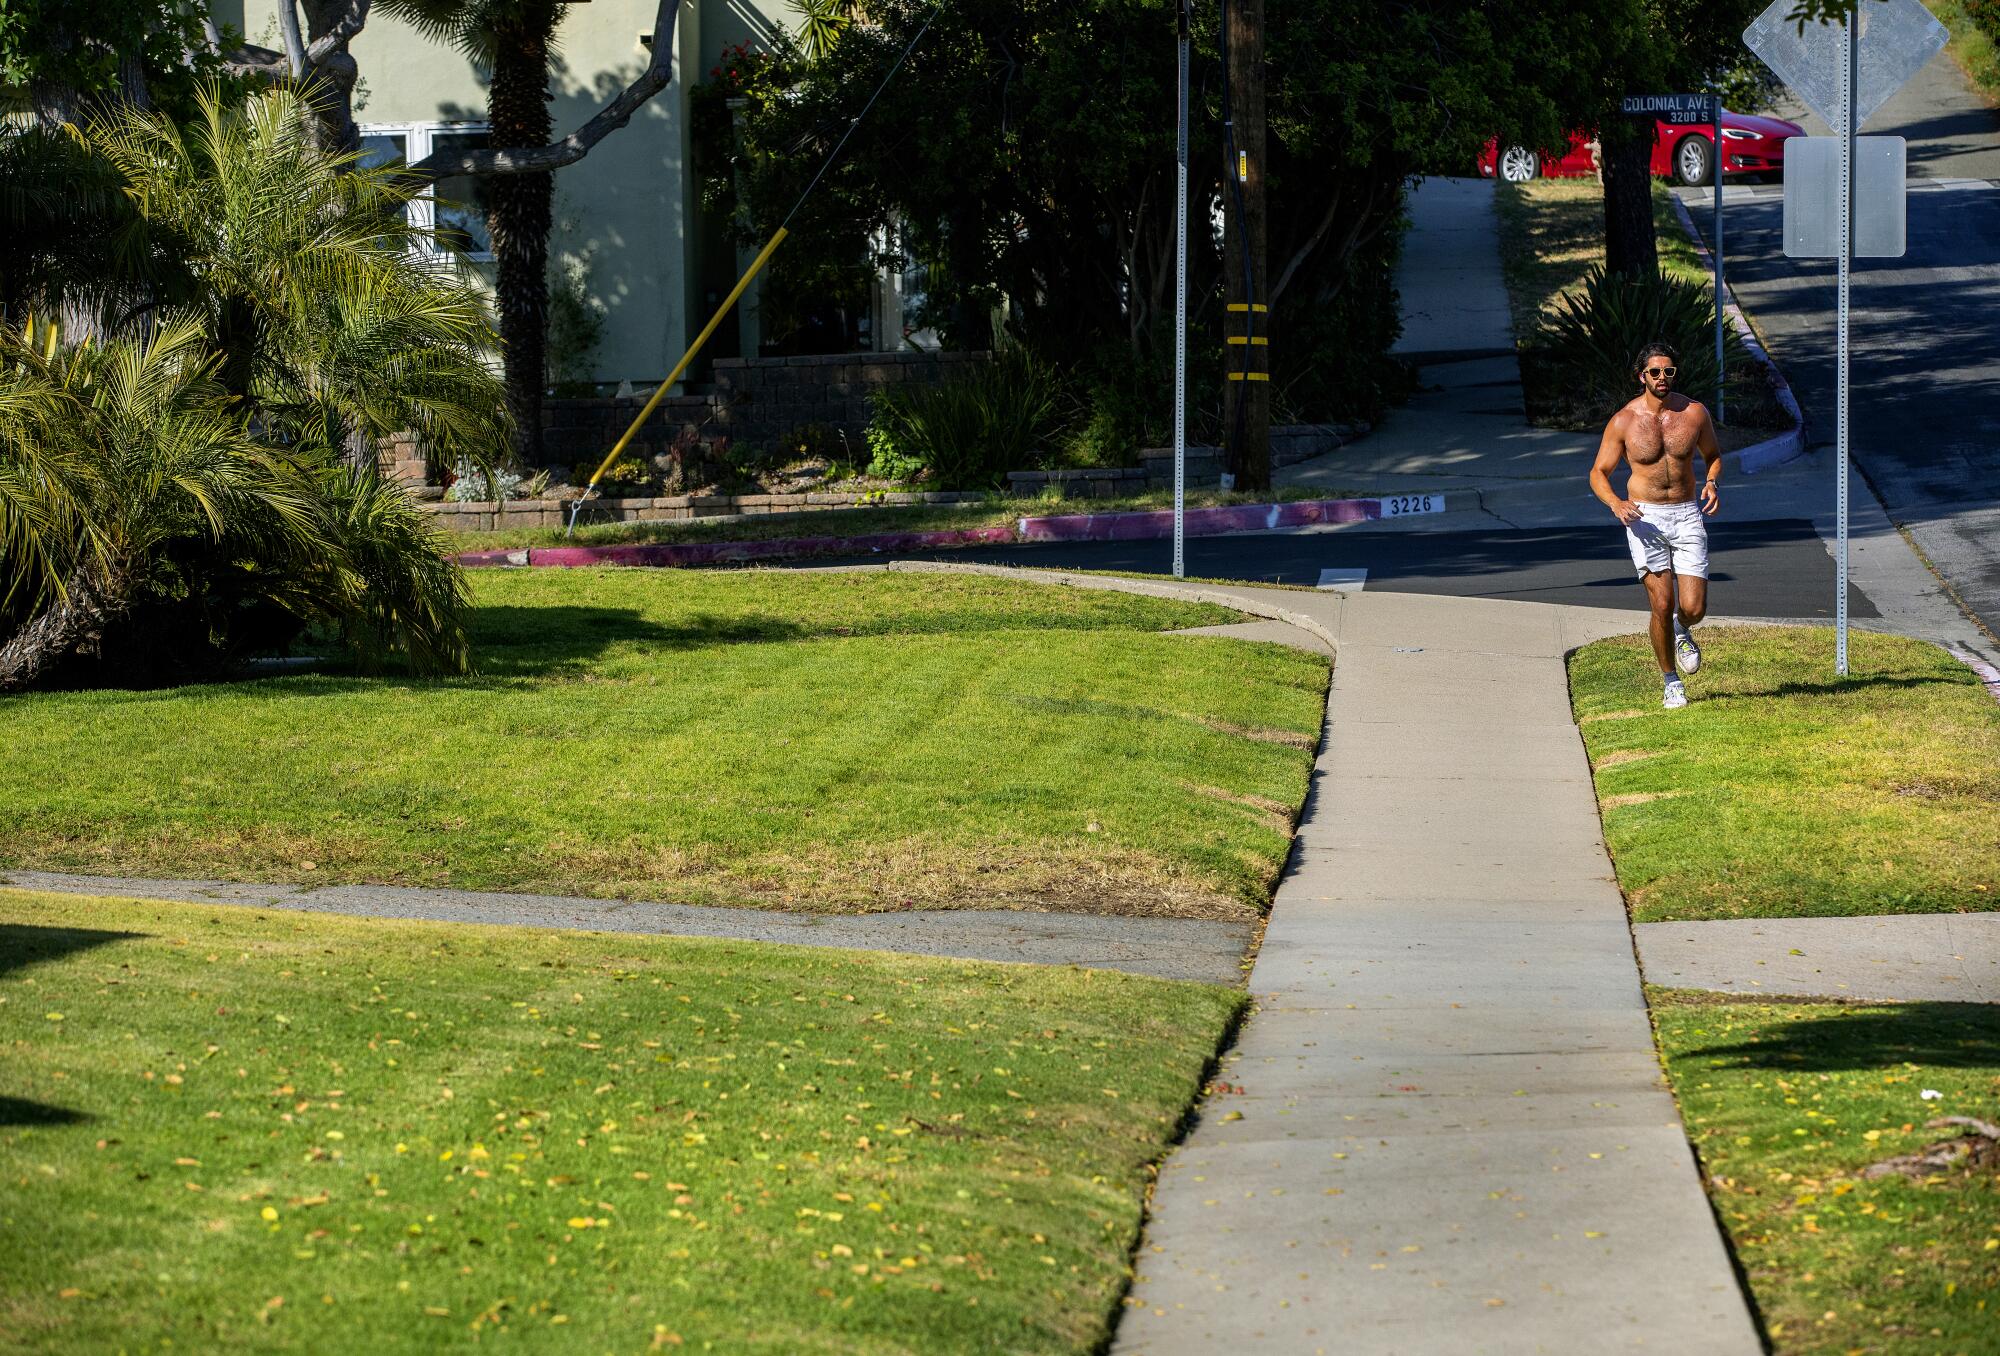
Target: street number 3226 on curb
point(1398, 505)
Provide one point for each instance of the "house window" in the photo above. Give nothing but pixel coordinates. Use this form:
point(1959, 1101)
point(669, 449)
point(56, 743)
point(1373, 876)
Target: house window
point(453, 210)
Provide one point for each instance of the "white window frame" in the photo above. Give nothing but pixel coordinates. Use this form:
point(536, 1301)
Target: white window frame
point(419, 140)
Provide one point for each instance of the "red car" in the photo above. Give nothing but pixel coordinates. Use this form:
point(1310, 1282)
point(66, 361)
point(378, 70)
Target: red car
point(1682, 152)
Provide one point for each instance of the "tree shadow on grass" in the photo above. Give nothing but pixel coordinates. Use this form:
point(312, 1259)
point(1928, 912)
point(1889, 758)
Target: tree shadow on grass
point(24, 944)
point(1836, 687)
point(527, 642)
point(20, 1111)
point(1836, 1037)
point(512, 643)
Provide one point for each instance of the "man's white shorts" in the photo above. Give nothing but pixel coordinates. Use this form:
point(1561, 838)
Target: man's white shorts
point(1669, 537)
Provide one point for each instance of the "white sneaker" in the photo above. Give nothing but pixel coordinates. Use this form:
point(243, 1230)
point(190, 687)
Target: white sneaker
point(1687, 654)
point(1677, 695)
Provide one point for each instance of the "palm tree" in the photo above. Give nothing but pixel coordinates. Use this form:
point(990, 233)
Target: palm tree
point(824, 21)
point(335, 327)
point(107, 452)
point(514, 39)
point(262, 319)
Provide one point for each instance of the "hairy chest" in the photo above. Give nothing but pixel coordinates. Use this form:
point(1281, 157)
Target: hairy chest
point(1650, 438)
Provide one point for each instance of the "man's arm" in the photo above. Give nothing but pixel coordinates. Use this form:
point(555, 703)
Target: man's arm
point(1611, 451)
point(1711, 456)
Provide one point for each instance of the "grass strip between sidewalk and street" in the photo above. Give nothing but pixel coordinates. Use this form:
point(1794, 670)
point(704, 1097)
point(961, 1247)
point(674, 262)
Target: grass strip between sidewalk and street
point(996, 511)
point(1785, 791)
point(847, 741)
point(1787, 1104)
point(232, 1130)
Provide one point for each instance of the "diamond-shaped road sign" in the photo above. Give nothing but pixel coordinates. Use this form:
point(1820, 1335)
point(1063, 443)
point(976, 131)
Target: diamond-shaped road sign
point(1897, 38)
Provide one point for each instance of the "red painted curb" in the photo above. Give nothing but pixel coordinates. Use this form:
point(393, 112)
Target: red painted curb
point(1202, 522)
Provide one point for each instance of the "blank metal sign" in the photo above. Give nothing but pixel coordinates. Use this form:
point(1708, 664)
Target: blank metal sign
point(1812, 197)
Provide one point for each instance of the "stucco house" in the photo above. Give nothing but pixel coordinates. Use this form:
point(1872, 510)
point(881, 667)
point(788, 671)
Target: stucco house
point(630, 236)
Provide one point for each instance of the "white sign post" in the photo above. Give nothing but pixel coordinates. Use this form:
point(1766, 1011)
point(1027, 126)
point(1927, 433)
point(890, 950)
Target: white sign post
point(1844, 73)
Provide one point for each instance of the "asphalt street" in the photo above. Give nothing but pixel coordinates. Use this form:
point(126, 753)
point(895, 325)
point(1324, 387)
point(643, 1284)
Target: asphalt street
point(1775, 568)
point(1925, 330)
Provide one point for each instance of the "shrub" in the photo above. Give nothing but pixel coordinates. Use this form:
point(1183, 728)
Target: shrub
point(971, 430)
point(1597, 330)
point(153, 535)
point(197, 480)
point(1986, 14)
point(817, 441)
point(471, 485)
point(886, 461)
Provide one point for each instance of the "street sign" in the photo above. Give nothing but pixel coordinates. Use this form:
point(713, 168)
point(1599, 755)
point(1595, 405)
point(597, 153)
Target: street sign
point(1812, 197)
point(1681, 110)
point(1897, 38)
point(1844, 72)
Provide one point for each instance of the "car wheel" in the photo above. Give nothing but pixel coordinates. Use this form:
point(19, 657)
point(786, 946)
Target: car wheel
point(1518, 165)
point(1694, 162)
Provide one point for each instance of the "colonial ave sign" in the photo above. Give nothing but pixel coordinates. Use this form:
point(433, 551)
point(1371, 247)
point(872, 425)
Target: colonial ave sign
point(1680, 110)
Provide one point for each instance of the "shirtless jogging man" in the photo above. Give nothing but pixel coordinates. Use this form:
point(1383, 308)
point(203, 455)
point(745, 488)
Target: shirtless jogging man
point(1657, 436)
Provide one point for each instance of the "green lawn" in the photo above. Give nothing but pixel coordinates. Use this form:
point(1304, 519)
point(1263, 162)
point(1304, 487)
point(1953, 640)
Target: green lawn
point(813, 741)
point(996, 511)
point(1785, 791)
point(1786, 1104)
point(224, 1129)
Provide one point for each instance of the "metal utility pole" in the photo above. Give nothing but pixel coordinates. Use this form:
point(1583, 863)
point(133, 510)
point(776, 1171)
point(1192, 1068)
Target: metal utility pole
point(1180, 300)
point(1246, 397)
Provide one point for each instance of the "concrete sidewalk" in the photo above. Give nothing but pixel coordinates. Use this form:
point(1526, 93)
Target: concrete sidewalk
point(1909, 958)
point(1210, 951)
point(1446, 1129)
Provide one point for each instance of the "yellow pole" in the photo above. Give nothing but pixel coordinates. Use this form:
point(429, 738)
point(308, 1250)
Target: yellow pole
point(756, 267)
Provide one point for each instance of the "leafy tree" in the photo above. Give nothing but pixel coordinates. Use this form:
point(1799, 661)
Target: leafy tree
point(1656, 46)
point(65, 53)
point(1026, 153)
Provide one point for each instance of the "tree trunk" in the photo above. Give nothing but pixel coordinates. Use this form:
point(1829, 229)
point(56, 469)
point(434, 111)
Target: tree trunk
point(1246, 388)
point(519, 216)
point(94, 596)
point(1629, 245)
point(331, 71)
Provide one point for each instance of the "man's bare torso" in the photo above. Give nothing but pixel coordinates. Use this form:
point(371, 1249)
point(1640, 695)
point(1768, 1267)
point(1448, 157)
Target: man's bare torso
point(1659, 448)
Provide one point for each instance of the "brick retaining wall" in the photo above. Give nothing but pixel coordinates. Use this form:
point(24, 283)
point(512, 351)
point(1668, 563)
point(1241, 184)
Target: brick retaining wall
point(487, 516)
